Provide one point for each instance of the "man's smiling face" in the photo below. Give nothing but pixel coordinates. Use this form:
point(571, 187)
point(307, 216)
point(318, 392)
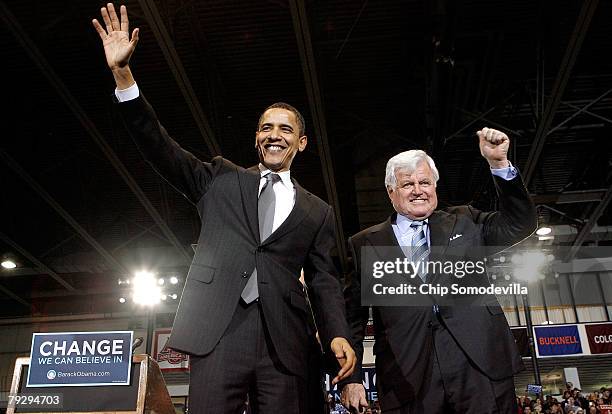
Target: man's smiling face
point(278, 139)
point(415, 194)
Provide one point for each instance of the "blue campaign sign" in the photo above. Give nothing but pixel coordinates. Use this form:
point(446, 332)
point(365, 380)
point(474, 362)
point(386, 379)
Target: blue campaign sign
point(72, 359)
point(558, 340)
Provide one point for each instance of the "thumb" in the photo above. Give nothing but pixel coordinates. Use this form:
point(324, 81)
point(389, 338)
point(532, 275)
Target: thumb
point(134, 40)
point(340, 353)
point(362, 401)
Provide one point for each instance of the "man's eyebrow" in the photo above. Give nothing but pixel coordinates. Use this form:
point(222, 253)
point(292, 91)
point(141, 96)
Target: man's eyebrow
point(272, 124)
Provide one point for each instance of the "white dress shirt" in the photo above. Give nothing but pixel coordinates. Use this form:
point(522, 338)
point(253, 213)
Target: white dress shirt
point(284, 192)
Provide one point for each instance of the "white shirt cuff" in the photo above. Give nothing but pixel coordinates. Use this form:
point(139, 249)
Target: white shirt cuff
point(507, 173)
point(127, 94)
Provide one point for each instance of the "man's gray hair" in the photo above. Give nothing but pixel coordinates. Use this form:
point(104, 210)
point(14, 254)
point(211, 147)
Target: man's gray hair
point(408, 161)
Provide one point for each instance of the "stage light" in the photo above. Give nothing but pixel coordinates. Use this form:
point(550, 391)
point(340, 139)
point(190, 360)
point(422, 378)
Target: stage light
point(529, 265)
point(9, 264)
point(121, 300)
point(174, 280)
point(544, 231)
point(161, 281)
point(146, 291)
point(174, 296)
point(164, 297)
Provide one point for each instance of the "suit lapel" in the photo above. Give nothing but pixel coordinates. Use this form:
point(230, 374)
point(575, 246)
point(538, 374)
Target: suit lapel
point(249, 189)
point(383, 236)
point(441, 225)
point(303, 204)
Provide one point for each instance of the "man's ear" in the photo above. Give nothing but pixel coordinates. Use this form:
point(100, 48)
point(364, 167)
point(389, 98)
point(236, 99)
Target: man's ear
point(303, 141)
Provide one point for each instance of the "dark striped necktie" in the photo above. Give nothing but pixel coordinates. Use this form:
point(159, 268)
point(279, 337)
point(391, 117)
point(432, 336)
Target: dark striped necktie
point(420, 249)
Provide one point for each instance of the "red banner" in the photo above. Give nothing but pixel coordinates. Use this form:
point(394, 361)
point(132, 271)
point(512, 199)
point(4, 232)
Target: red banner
point(600, 338)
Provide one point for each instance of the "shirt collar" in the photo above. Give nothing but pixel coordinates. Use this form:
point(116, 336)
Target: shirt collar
point(285, 176)
point(403, 222)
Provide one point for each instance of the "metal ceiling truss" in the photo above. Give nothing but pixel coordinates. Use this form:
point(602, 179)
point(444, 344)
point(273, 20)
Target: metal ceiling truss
point(570, 197)
point(61, 211)
point(315, 100)
point(166, 44)
point(591, 222)
point(40, 265)
point(46, 69)
point(571, 53)
point(16, 298)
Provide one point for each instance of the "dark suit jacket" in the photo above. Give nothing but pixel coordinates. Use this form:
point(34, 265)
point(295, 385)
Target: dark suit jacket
point(229, 249)
point(403, 339)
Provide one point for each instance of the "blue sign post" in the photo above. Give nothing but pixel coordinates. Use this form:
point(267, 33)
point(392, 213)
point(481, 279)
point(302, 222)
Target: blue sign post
point(73, 359)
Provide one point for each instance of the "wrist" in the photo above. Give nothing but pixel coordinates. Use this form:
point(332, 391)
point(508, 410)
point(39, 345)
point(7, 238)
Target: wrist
point(497, 164)
point(123, 77)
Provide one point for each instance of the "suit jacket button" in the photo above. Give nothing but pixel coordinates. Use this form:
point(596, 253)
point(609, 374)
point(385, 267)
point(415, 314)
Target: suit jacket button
point(429, 324)
point(245, 274)
point(261, 249)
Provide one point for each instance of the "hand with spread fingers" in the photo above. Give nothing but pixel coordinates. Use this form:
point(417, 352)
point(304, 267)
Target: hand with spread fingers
point(494, 147)
point(346, 358)
point(353, 397)
point(118, 47)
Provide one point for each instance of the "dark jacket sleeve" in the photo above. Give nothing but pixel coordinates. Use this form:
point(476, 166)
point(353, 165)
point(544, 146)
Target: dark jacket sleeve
point(179, 167)
point(357, 315)
point(515, 218)
point(324, 285)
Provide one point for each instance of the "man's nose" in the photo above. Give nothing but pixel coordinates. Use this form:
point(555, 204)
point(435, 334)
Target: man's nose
point(417, 189)
point(274, 133)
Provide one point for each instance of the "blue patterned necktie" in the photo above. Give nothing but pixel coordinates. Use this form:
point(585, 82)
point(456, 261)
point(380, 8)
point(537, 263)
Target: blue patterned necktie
point(420, 249)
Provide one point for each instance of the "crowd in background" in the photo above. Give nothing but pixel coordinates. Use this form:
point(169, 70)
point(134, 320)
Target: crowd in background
point(573, 401)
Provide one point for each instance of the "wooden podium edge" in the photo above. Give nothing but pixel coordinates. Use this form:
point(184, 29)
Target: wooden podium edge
point(143, 391)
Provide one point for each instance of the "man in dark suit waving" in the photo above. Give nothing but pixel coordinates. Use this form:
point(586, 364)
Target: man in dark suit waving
point(440, 359)
point(243, 316)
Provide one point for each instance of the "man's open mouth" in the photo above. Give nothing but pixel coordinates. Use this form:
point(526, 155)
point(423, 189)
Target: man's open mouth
point(274, 148)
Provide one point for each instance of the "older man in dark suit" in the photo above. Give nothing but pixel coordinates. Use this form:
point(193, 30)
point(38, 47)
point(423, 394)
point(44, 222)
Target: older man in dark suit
point(243, 315)
point(440, 359)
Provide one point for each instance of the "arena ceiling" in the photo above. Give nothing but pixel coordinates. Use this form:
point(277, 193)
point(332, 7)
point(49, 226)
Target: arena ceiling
point(81, 209)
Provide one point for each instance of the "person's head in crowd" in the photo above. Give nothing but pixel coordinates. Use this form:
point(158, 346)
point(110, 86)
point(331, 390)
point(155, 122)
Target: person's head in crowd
point(566, 395)
point(410, 179)
point(606, 395)
point(555, 407)
point(600, 401)
point(571, 411)
point(592, 409)
point(527, 410)
point(569, 385)
point(280, 135)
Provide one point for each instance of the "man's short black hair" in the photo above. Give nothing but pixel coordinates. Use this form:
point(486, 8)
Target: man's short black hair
point(290, 108)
